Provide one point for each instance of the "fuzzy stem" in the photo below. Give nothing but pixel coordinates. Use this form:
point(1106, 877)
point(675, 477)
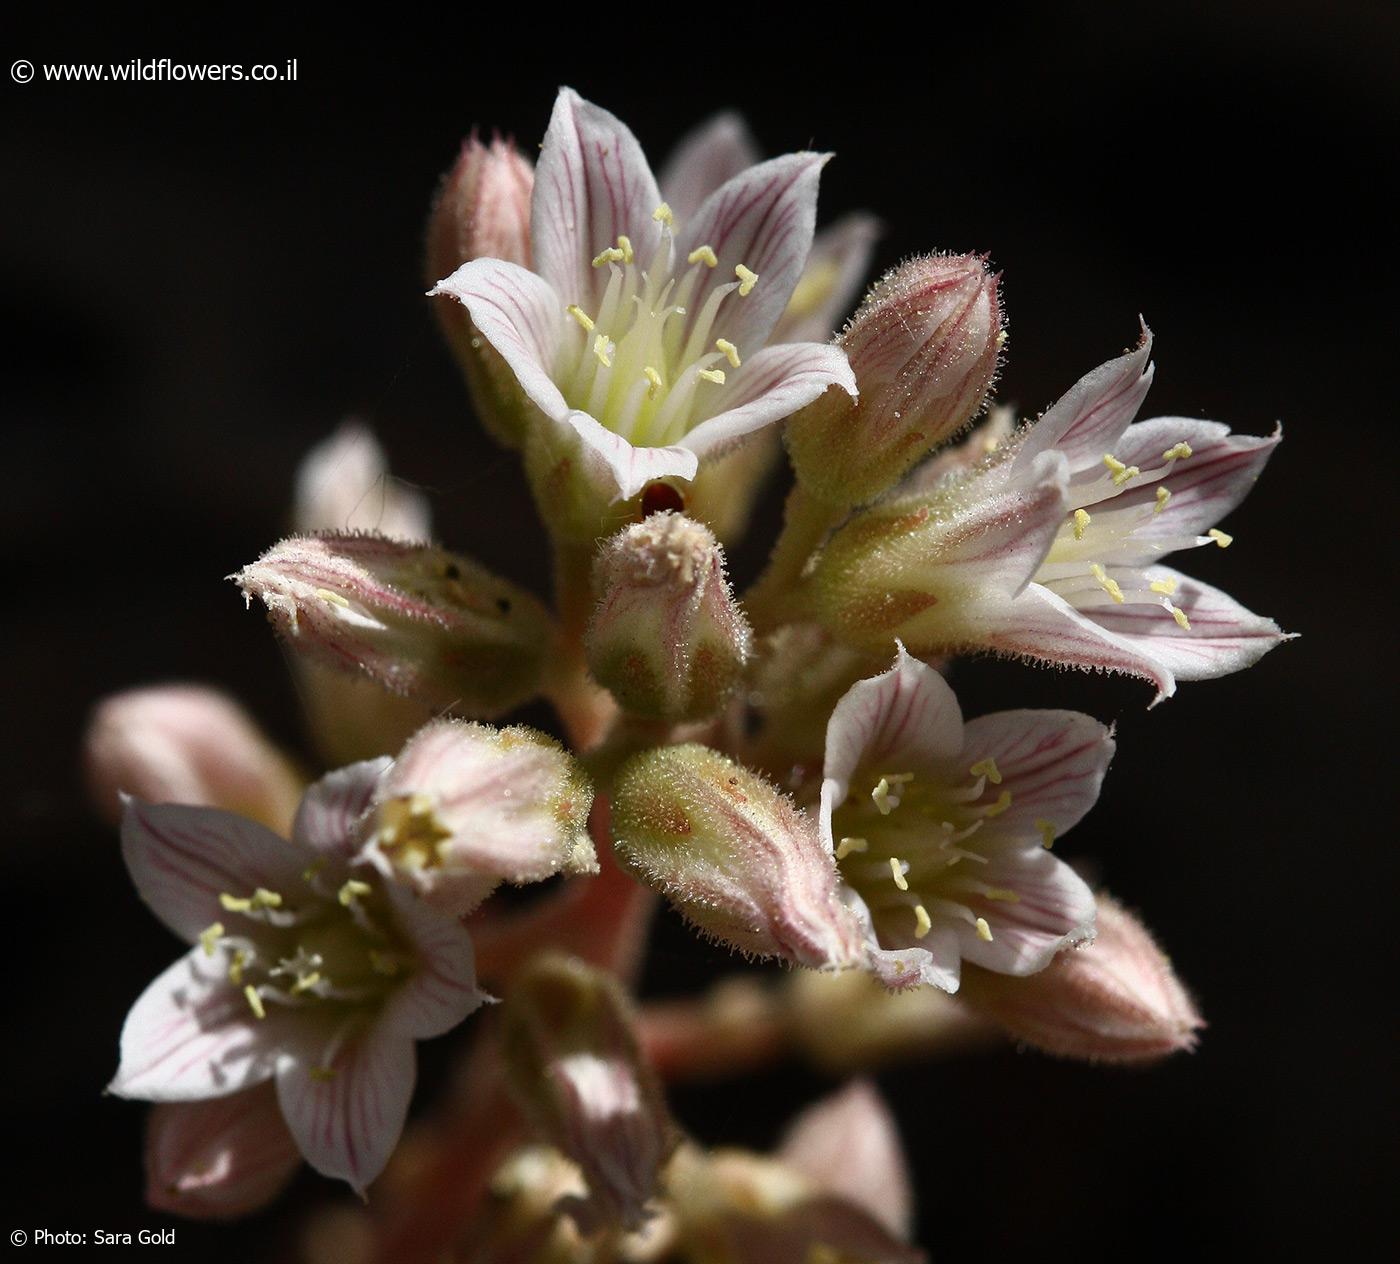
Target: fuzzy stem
point(585, 709)
point(806, 521)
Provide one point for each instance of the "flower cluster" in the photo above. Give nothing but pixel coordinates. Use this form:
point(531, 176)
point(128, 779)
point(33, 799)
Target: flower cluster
point(789, 767)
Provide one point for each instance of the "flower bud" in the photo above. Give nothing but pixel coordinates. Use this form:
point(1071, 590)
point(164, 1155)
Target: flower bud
point(482, 211)
point(343, 484)
point(187, 744)
point(924, 348)
point(734, 856)
point(574, 1063)
point(465, 806)
point(849, 1144)
point(220, 1158)
point(418, 620)
point(667, 637)
point(1116, 999)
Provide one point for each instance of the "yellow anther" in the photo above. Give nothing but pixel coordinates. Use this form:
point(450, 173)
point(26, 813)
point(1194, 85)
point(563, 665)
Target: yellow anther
point(311, 871)
point(331, 598)
point(624, 244)
point(1180, 616)
point(611, 255)
point(654, 381)
point(922, 924)
point(1178, 452)
point(747, 280)
point(211, 936)
point(1005, 894)
point(1163, 495)
point(263, 898)
point(234, 903)
point(352, 890)
point(664, 215)
point(235, 967)
point(1081, 523)
point(983, 930)
point(703, 254)
point(1121, 473)
point(602, 349)
point(1003, 802)
point(1110, 586)
point(1047, 833)
point(881, 796)
point(1220, 537)
point(321, 1074)
point(897, 873)
point(584, 319)
point(847, 845)
point(712, 375)
point(254, 1001)
point(383, 962)
point(987, 768)
point(729, 351)
point(1164, 586)
point(305, 982)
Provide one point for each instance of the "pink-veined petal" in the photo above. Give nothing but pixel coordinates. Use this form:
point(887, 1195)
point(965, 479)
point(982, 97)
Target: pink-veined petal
point(1092, 415)
point(1053, 909)
point(332, 807)
point(849, 1144)
point(592, 185)
point(443, 989)
point(1042, 625)
point(617, 469)
point(771, 385)
point(1223, 637)
point(716, 151)
point(763, 219)
point(1052, 762)
point(906, 717)
point(831, 282)
point(1204, 487)
point(218, 1159)
point(191, 1035)
point(521, 316)
point(348, 1117)
point(183, 858)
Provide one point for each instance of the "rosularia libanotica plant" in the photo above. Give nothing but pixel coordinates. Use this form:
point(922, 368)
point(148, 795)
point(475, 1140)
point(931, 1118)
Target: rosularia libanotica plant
point(788, 768)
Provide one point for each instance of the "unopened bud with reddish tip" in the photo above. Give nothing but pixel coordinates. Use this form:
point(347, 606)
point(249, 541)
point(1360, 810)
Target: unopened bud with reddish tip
point(1116, 999)
point(924, 347)
point(482, 211)
point(574, 1062)
point(667, 637)
point(221, 1158)
point(187, 744)
point(734, 855)
point(464, 807)
point(418, 620)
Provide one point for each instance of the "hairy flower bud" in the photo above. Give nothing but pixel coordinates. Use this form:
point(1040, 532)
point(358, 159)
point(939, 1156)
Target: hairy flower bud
point(1116, 999)
point(924, 348)
point(576, 1066)
point(734, 855)
point(667, 637)
point(186, 744)
point(418, 620)
point(465, 806)
point(482, 211)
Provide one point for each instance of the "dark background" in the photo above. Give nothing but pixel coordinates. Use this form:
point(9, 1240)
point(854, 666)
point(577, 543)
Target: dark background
point(199, 281)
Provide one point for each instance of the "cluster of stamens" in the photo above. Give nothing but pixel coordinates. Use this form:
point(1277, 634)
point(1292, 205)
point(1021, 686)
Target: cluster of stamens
point(642, 364)
point(903, 844)
point(1086, 539)
point(332, 949)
